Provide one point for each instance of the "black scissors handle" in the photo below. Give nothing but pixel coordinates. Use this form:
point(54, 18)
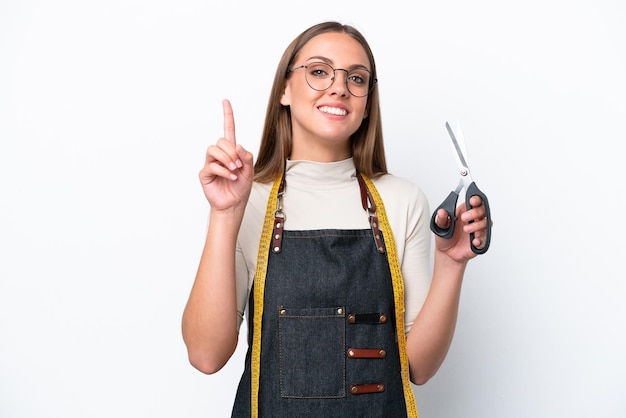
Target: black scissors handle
point(449, 205)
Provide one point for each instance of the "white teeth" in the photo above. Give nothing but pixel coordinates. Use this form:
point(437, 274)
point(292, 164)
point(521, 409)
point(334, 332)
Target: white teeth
point(333, 111)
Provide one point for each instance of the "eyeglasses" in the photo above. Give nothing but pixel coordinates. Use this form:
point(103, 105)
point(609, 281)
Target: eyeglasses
point(320, 76)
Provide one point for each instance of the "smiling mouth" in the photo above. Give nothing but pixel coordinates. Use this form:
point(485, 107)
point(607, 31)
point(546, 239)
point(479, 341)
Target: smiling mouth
point(333, 111)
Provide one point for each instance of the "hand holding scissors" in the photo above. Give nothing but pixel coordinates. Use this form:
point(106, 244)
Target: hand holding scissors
point(466, 182)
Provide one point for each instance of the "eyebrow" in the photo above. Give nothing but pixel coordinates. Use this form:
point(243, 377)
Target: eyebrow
point(330, 62)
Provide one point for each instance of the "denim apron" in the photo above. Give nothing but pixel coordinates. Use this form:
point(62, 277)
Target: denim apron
point(330, 344)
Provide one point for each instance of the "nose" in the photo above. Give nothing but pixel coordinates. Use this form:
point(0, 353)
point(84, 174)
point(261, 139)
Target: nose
point(340, 86)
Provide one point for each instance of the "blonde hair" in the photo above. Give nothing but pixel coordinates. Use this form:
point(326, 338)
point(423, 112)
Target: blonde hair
point(367, 142)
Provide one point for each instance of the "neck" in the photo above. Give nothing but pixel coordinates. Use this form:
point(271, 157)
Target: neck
point(320, 152)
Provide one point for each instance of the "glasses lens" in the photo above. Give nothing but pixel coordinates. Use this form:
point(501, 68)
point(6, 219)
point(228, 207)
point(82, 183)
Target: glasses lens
point(359, 82)
point(320, 76)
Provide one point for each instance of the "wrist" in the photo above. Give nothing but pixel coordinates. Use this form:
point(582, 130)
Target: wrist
point(233, 213)
point(445, 260)
point(225, 222)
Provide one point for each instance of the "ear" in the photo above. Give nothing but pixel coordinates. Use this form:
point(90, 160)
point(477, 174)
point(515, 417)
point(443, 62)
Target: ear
point(285, 98)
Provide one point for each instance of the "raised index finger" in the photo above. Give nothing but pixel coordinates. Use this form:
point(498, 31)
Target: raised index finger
point(229, 122)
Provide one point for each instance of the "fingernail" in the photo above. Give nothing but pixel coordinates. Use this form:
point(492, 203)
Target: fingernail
point(233, 176)
point(232, 166)
point(239, 163)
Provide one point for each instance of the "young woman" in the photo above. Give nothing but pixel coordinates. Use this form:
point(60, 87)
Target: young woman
point(326, 253)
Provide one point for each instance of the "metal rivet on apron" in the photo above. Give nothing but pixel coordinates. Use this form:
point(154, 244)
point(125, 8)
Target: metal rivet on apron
point(276, 249)
point(383, 318)
point(277, 236)
point(282, 311)
point(380, 388)
point(278, 225)
point(340, 311)
point(350, 353)
point(354, 389)
point(383, 353)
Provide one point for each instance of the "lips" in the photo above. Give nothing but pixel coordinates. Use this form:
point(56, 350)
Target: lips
point(333, 110)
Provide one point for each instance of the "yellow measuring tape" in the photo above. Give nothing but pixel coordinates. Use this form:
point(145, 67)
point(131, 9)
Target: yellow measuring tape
point(398, 291)
point(259, 292)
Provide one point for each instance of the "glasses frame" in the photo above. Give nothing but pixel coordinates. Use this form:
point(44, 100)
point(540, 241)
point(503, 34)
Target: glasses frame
point(372, 82)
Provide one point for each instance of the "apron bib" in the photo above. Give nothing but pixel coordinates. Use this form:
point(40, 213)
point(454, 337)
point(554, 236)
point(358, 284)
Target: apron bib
point(331, 313)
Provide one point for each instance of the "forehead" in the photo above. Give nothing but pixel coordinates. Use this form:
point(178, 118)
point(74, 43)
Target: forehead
point(339, 48)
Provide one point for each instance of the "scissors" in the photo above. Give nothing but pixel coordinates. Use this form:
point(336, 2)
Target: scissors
point(466, 182)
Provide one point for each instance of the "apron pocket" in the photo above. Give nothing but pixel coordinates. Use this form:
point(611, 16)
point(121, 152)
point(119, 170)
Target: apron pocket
point(312, 352)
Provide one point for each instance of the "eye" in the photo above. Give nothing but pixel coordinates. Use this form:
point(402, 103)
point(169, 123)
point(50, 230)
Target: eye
point(358, 77)
point(355, 79)
point(319, 70)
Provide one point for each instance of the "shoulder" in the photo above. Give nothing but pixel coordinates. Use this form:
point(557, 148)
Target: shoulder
point(398, 189)
point(260, 192)
point(257, 202)
point(252, 223)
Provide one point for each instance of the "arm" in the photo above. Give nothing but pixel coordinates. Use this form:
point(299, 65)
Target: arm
point(430, 336)
point(209, 323)
point(210, 316)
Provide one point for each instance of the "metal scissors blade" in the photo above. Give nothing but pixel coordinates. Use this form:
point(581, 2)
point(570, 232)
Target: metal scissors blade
point(458, 146)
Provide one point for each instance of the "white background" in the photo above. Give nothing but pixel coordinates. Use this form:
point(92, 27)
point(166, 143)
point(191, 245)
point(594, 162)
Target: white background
point(106, 110)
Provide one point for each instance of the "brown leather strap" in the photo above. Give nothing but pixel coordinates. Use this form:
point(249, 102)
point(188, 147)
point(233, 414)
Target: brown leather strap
point(368, 204)
point(366, 197)
point(277, 234)
point(366, 200)
point(279, 219)
point(367, 353)
point(367, 388)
